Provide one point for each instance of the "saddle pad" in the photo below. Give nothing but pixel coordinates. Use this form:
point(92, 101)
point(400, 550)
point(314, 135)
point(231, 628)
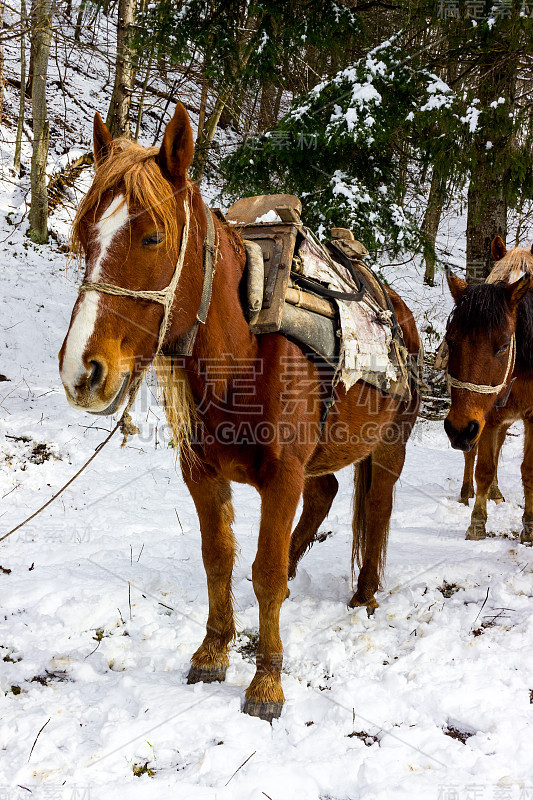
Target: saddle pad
point(366, 329)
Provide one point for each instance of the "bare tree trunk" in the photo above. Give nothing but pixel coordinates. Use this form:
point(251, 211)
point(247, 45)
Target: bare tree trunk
point(143, 95)
point(201, 153)
point(486, 218)
point(266, 108)
point(1, 62)
point(20, 126)
point(79, 20)
point(430, 225)
point(277, 104)
point(206, 137)
point(203, 108)
point(41, 36)
point(33, 25)
point(119, 109)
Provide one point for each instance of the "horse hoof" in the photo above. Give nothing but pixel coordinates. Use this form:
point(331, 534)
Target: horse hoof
point(465, 501)
point(526, 537)
point(288, 594)
point(206, 674)
point(371, 604)
point(263, 710)
point(476, 531)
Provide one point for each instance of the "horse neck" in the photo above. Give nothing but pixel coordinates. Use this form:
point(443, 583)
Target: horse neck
point(225, 339)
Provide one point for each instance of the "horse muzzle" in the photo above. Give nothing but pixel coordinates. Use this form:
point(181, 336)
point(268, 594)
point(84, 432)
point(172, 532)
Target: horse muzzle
point(92, 393)
point(464, 439)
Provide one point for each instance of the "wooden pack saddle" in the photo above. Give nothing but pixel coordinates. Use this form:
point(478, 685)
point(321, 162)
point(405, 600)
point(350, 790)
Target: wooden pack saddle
point(289, 302)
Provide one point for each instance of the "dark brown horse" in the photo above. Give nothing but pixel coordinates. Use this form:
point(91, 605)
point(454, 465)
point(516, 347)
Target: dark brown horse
point(467, 488)
point(252, 402)
point(490, 370)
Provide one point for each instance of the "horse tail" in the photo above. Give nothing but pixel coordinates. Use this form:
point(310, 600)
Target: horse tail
point(362, 479)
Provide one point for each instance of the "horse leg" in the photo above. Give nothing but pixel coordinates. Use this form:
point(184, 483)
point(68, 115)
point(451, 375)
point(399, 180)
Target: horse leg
point(526, 537)
point(467, 489)
point(375, 479)
point(212, 498)
point(319, 494)
point(485, 473)
point(494, 491)
point(280, 494)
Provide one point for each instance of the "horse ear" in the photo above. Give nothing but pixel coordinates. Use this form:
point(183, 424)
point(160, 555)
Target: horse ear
point(101, 140)
point(456, 285)
point(515, 291)
point(175, 154)
point(498, 248)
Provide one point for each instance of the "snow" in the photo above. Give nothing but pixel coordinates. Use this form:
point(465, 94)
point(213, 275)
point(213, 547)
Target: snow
point(269, 216)
point(471, 117)
point(104, 600)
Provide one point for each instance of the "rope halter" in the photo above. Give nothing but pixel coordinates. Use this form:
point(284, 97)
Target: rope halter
point(163, 296)
point(481, 388)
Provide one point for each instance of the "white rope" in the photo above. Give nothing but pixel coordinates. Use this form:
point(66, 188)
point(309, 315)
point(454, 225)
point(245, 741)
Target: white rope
point(166, 298)
point(481, 388)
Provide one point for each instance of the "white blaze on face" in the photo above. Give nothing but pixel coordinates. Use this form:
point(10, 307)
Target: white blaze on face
point(114, 218)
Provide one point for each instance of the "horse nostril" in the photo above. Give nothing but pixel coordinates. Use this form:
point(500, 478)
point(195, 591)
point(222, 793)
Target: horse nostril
point(472, 429)
point(96, 378)
point(448, 427)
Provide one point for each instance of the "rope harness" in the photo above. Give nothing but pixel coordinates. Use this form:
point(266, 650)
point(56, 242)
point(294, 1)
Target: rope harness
point(166, 298)
point(481, 388)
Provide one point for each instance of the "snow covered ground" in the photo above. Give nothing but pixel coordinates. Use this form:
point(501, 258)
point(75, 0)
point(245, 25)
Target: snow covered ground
point(103, 601)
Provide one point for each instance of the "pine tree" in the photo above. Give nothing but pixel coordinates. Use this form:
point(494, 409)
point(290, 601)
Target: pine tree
point(238, 44)
point(339, 147)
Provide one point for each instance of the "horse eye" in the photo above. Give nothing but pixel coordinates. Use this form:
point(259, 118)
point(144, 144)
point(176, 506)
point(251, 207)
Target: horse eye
point(502, 349)
point(153, 238)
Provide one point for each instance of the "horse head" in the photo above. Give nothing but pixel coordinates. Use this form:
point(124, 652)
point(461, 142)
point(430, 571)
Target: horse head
point(481, 342)
point(132, 229)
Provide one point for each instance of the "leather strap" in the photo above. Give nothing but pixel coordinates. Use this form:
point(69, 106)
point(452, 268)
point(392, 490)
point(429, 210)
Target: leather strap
point(184, 344)
point(323, 291)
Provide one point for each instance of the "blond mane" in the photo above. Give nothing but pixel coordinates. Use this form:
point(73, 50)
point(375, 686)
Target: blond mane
point(516, 262)
point(135, 170)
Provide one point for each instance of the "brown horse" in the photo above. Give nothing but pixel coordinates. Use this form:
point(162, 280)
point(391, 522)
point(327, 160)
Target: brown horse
point(467, 488)
point(244, 408)
point(490, 371)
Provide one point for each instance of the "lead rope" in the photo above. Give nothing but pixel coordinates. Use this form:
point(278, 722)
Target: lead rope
point(481, 388)
point(166, 298)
